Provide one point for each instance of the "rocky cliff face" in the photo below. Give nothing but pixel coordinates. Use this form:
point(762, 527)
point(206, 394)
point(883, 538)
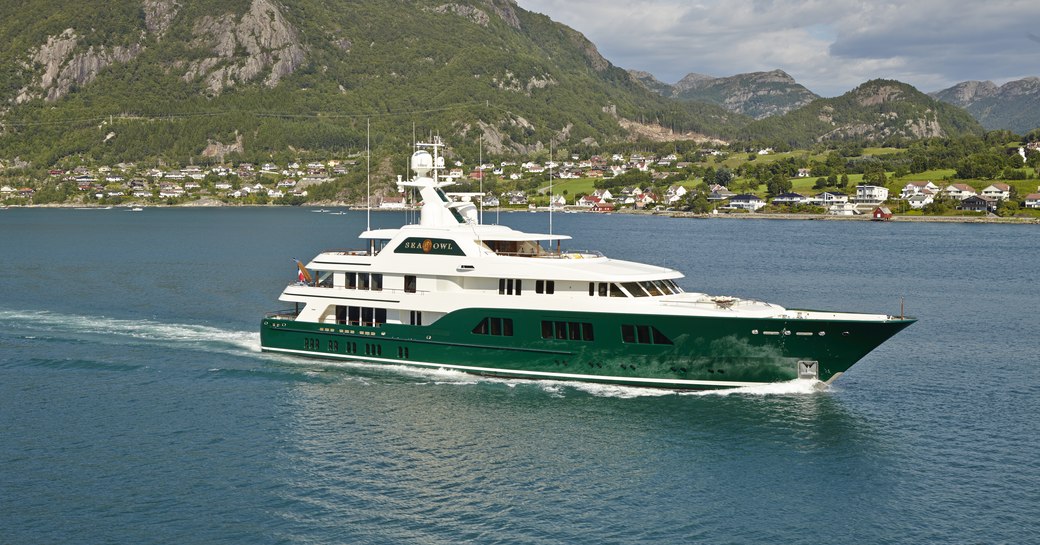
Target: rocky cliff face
point(260, 43)
point(60, 63)
point(159, 15)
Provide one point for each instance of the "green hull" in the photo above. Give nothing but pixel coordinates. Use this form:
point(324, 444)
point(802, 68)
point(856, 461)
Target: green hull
point(692, 352)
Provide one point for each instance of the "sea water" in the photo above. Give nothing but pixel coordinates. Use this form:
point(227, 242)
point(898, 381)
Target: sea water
point(136, 407)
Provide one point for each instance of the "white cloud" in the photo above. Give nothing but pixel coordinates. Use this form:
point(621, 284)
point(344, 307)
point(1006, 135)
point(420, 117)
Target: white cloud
point(828, 46)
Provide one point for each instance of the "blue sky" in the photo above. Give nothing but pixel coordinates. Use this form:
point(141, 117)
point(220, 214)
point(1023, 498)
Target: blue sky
point(830, 46)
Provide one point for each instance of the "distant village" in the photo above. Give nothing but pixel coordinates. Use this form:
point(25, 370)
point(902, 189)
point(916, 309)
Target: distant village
point(290, 183)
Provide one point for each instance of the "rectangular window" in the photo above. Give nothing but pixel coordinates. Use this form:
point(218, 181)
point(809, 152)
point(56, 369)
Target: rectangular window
point(362, 281)
point(509, 286)
point(561, 330)
point(415, 317)
point(409, 283)
point(592, 289)
point(603, 289)
point(324, 279)
point(550, 287)
point(354, 313)
point(547, 329)
point(643, 334)
point(586, 332)
point(519, 283)
point(539, 286)
point(377, 282)
point(341, 314)
point(351, 280)
point(628, 333)
point(501, 286)
point(380, 316)
point(574, 331)
point(495, 326)
point(366, 316)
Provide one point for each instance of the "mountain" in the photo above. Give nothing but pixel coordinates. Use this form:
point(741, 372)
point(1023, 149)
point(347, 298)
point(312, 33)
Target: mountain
point(1014, 106)
point(876, 110)
point(757, 94)
point(123, 80)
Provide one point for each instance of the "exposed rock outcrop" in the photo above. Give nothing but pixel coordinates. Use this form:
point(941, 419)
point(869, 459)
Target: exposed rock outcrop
point(504, 9)
point(61, 65)
point(473, 14)
point(219, 150)
point(159, 15)
point(509, 82)
point(259, 43)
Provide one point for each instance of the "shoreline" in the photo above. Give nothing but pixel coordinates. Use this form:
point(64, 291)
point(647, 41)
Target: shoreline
point(661, 213)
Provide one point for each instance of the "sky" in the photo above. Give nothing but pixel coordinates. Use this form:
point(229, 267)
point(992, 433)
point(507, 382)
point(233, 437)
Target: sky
point(829, 46)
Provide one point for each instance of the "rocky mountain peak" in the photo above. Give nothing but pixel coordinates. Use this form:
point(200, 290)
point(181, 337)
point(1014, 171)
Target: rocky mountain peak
point(691, 81)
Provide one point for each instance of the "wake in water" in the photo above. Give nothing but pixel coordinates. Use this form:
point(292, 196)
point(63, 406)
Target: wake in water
point(559, 388)
point(46, 324)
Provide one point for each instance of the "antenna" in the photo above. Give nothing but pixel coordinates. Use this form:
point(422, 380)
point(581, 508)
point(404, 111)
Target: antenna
point(480, 172)
point(368, 172)
point(550, 184)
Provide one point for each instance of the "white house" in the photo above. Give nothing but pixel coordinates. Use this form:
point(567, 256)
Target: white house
point(842, 209)
point(392, 203)
point(999, 191)
point(789, 199)
point(871, 194)
point(588, 200)
point(675, 193)
point(920, 201)
point(828, 198)
point(603, 194)
point(960, 191)
point(915, 188)
point(1032, 200)
point(750, 203)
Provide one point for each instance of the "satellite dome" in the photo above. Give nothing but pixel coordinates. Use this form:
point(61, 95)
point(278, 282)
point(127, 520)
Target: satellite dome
point(422, 162)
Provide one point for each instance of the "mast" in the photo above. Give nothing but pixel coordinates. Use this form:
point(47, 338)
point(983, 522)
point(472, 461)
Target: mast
point(550, 184)
point(368, 173)
point(480, 172)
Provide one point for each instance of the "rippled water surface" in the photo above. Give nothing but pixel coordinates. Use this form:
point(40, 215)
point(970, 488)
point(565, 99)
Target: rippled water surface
point(135, 406)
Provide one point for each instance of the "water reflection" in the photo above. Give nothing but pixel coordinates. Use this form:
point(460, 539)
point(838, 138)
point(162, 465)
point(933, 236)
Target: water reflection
point(410, 458)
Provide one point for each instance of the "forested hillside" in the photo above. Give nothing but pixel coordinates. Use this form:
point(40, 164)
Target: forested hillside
point(133, 79)
point(878, 110)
